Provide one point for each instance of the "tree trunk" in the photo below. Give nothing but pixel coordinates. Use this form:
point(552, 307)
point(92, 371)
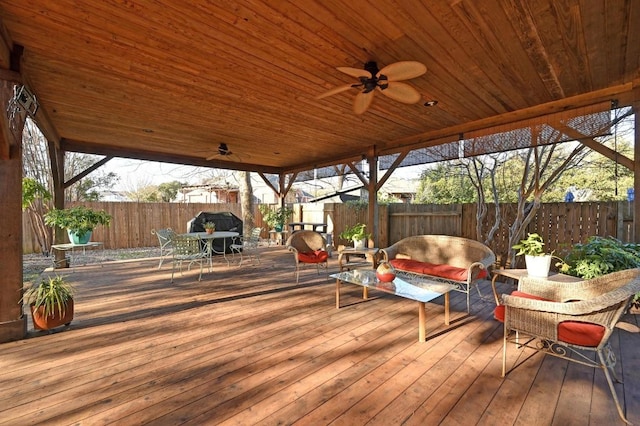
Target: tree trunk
point(246, 201)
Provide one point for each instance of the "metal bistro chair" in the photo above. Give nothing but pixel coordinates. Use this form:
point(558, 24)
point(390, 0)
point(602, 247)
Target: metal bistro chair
point(247, 246)
point(187, 248)
point(569, 320)
point(164, 238)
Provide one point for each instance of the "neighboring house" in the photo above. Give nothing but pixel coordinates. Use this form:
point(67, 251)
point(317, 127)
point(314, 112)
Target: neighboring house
point(321, 190)
point(113, 196)
point(400, 190)
point(209, 193)
point(396, 190)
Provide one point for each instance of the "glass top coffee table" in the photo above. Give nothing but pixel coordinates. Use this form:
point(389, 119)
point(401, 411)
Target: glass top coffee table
point(421, 290)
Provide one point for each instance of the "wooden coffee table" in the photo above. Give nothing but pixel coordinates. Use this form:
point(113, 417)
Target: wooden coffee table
point(421, 290)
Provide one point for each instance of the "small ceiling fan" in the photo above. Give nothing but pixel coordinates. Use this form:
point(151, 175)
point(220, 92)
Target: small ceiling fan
point(223, 151)
point(387, 81)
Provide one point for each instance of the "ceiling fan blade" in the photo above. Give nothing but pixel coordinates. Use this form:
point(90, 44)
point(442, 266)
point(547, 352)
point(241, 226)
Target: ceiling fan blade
point(362, 101)
point(355, 72)
point(335, 90)
point(211, 157)
point(403, 70)
point(401, 92)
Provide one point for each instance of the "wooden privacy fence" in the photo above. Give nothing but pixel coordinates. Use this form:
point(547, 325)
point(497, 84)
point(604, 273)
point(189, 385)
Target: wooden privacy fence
point(560, 224)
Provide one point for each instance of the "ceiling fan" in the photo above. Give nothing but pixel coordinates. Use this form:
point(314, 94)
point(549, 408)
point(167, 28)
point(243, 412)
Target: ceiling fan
point(223, 151)
point(386, 80)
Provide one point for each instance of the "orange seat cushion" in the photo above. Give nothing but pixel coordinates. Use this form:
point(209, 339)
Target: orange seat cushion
point(318, 256)
point(580, 333)
point(498, 312)
point(572, 332)
point(437, 270)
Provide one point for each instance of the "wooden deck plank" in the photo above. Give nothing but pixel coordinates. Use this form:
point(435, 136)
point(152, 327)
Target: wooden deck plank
point(352, 388)
point(424, 381)
point(247, 345)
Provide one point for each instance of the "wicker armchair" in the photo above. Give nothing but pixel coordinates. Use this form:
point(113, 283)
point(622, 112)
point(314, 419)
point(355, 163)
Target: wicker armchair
point(308, 247)
point(568, 320)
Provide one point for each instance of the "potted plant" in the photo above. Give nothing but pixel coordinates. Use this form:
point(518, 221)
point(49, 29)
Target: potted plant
point(600, 256)
point(79, 221)
point(210, 227)
point(538, 262)
point(275, 218)
point(357, 234)
point(51, 303)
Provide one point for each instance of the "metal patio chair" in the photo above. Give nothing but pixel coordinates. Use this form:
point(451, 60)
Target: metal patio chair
point(164, 238)
point(187, 248)
point(247, 245)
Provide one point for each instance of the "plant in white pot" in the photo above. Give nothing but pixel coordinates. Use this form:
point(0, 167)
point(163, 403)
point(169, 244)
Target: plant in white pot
point(79, 221)
point(357, 234)
point(537, 260)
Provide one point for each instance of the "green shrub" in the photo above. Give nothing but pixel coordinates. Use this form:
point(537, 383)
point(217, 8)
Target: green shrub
point(601, 256)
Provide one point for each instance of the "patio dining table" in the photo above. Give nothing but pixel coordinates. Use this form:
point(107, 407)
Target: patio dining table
point(208, 240)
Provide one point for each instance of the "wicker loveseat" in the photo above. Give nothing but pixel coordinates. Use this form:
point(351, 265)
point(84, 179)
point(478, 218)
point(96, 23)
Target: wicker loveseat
point(456, 260)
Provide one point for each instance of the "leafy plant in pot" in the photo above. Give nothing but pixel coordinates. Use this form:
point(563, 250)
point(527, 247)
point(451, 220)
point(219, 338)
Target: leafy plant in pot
point(51, 303)
point(600, 256)
point(357, 234)
point(79, 221)
point(275, 217)
point(209, 227)
point(538, 262)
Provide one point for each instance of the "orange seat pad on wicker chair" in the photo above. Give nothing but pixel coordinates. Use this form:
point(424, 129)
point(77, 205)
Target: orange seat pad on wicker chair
point(573, 332)
point(317, 256)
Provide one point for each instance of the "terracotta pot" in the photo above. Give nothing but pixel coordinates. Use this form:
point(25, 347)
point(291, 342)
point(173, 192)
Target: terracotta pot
point(40, 322)
point(209, 231)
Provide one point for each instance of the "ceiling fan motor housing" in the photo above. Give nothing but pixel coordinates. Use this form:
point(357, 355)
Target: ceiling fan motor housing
point(370, 83)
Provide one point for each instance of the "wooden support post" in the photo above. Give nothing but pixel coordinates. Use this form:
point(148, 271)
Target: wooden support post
point(372, 159)
point(636, 175)
point(56, 157)
point(13, 325)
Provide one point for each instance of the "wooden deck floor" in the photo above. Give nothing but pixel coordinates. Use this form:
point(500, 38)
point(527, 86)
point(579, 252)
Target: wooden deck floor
point(249, 346)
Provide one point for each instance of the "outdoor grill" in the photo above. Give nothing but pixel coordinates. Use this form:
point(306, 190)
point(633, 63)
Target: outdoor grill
point(225, 221)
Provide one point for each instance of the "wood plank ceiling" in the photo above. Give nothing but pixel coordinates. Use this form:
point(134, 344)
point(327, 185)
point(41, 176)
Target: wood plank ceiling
point(169, 81)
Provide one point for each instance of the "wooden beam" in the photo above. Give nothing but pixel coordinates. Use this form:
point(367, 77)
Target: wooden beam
point(622, 92)
point(87, 171)
point(269, 184)
point(140, 154)
point(391, 169)
point(597, 146)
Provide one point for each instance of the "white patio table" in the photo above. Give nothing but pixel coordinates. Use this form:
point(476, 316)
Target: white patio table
point(208, 239)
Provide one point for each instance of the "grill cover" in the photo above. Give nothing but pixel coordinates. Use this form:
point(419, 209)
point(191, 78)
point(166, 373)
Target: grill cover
point(225, 221)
